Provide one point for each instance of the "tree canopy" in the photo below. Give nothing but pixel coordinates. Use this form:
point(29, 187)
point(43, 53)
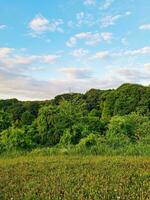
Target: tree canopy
point(77, 119)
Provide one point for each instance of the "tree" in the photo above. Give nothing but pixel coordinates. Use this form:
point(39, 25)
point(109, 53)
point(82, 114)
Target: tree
point(127, 98)
point(133, 125)
point(47, 123)
point(27, 118)
point(93, 98)
point(121, 125)
point(15, 138)
point(5, 120)
point(108, 105)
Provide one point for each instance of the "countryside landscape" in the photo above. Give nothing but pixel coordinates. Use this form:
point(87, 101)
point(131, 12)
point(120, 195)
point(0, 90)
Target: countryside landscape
point(75, 100)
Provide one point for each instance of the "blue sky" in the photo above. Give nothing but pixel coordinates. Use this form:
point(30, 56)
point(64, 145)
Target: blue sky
point(52, 47)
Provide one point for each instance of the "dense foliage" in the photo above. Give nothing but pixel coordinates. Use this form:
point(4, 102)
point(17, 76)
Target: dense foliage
point(95, 120)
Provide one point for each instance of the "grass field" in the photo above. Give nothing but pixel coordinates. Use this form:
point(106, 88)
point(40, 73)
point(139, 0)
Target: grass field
point(71, 178)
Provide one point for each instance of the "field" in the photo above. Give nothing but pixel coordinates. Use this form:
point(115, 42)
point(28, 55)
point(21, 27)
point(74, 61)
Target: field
point(71, 178)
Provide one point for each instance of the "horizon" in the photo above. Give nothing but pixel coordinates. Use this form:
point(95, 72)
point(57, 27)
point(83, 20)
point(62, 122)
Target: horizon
point(69, 92)
point(46, 51)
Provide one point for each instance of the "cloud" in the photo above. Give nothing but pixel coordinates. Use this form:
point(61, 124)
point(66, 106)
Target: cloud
point(23, 87)
point(101, 55)
point(79, 53)
point(128, 13)
point(147, 66)
point(3, 26)
point(10, 59)
point(77, 79)
point(145, 27)
point(77, 73)
point(40, 24)
point(132, 74)
point(49, 59)
point(5, 51)
point(109, 20)
point(16, 60)
point(136, 52)
point(89, 2)
point(106, 4)
point(84, 19)
point(90, 39)
point(26, 87)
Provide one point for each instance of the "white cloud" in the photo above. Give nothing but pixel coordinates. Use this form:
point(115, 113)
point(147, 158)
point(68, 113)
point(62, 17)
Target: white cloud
point(79, 53)
point(101, 55)
point(136, 52)
point(147, 66)
point(10, 59)
point(84, 19)
point(128, 13)
point(18, 60)
point(77, 73)
point(89, 38)
point(40, 24)
point(109, 20)
point(77, 79)
point(89, 2)
point(145, 27)
point(49, 59)
point(5, 51)
point(113, 54)
point(106, 4)
point(3, 26)
point(132, 74)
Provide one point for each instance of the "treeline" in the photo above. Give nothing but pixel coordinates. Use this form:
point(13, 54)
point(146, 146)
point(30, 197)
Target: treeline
point(95, 121)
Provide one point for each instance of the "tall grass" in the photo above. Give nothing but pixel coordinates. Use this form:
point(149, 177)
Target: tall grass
point(75, 177)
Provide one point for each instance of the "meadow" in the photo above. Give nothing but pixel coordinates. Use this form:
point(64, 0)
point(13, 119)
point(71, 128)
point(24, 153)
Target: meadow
point(74, 177)
point(92, 146)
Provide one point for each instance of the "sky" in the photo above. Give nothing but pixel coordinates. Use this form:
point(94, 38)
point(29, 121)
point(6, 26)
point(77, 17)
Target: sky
point(50, 47)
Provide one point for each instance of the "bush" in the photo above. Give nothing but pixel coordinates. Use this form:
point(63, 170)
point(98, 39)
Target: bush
point(134, 126)
point(88, 141)
point(121, 125)
point(116, 140)
point(15, 139)
point(65, 140)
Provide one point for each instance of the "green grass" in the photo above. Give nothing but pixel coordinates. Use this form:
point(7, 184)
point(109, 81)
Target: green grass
point(74, 177)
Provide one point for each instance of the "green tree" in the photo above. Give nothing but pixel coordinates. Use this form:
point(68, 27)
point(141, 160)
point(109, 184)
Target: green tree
point(27, 118)
point(15, 139)
point(133, 125)
point(47, 123)
point(5, 120)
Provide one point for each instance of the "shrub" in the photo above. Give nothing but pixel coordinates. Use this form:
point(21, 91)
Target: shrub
point(15, 139)
point(134, 126)
point(121, 125)
point(116, 140)
point(88, 141)
point(65, 140)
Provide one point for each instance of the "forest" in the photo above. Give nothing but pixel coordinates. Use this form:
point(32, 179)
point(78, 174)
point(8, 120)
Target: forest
point(104, 122)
